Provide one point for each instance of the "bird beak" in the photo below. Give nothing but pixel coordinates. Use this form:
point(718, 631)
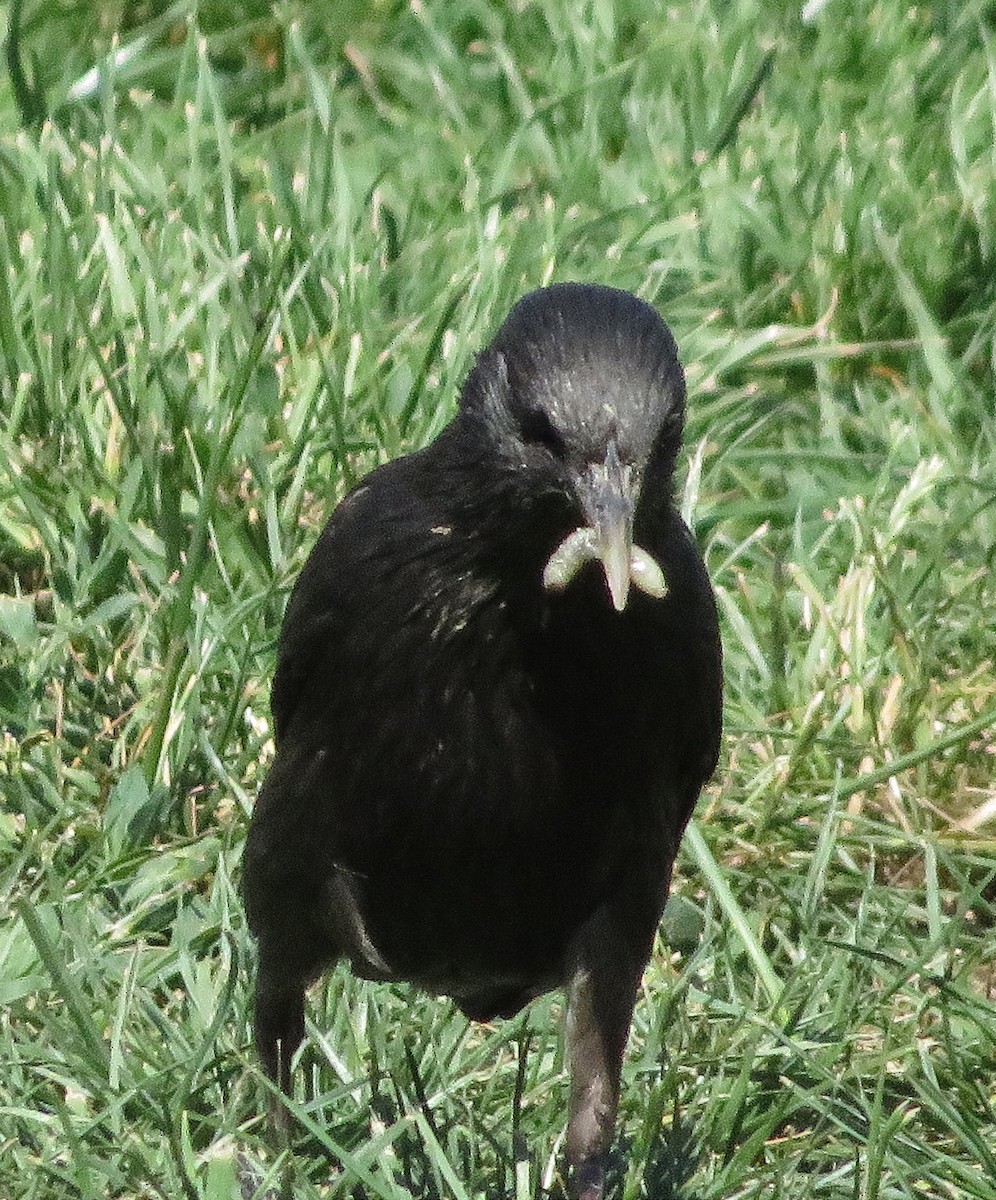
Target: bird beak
point(607, 493)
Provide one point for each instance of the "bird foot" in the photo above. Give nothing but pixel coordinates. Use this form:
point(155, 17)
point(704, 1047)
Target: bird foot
point(588, 1180)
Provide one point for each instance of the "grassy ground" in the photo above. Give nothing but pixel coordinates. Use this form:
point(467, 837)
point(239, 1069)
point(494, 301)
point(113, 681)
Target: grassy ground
point(248, 253)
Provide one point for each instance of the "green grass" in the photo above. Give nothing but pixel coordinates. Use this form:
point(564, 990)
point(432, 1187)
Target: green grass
point(246, 252)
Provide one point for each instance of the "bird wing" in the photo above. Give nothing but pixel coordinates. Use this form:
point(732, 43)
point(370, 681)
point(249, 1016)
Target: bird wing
point(322, 606)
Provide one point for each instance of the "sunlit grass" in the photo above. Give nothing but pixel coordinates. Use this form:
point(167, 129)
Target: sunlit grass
point(246, 255)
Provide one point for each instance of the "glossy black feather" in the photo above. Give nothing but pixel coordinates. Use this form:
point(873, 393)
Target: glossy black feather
point(480, 785)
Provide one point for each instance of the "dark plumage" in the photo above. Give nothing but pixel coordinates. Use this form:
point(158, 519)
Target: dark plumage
point(488, 749)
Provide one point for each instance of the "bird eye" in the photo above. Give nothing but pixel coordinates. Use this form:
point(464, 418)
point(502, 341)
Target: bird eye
point(538, 429)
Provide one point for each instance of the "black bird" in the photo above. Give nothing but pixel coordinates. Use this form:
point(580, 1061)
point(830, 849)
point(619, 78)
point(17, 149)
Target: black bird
point(498, 694)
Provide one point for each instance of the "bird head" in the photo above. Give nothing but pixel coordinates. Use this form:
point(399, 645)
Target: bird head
point(582, 398)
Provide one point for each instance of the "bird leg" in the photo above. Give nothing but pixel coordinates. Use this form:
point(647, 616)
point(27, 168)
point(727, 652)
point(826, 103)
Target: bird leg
point(601, 992)
point(279, 1029)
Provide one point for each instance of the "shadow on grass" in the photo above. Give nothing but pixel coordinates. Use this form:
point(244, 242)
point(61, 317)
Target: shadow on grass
point(671, 1161)
point(670, 1165)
